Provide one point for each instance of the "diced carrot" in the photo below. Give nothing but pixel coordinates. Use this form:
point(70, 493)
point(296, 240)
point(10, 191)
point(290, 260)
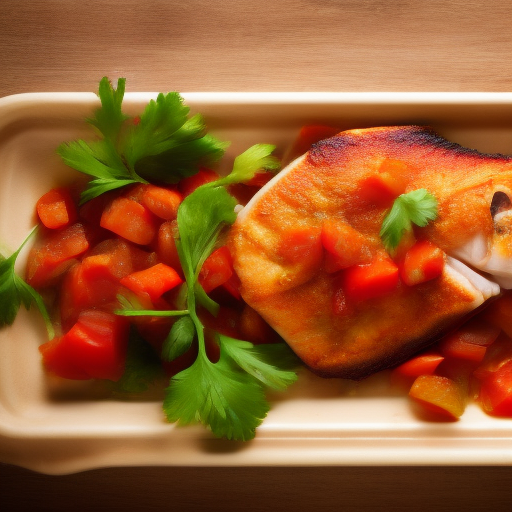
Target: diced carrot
point(345, 246)
point(187, 185)
point(56, 209)
point(216, 270)
point(470, 341)
point(163, 202)
point(423, 262)
point(130, 220)
point(439, 395)
point(55, 254)
point(154, 281)
point(383, 187)
point(375, 279)
point(302, 244)
point(166, 245)
point(422, 364)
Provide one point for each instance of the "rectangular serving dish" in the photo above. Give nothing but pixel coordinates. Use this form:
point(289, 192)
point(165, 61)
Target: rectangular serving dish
point(316, 422)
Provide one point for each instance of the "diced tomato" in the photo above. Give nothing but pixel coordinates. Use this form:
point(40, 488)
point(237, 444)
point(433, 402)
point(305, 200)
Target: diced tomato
point(422, 364)
point(95, 347)
point(216, 270)
point(154, 281)
point(439, 395)
point(55, 254)
point(302, 244)
point(309, 135)
point(56, 209)
point(187, 185)
point(423, 262)
point(383, 187)
point(130, 220)
point(375, 279)
point(496, 391)
point(259, 179)
point(345, 246)
point(470, 341)
point(163, 202)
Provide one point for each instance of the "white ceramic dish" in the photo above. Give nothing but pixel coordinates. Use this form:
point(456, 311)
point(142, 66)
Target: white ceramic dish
point(317, 422)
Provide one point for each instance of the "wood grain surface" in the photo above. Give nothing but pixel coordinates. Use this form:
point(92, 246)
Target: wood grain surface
point(287, 45)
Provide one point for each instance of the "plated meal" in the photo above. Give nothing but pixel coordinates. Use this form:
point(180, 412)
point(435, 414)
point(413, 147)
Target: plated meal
point(354, 252)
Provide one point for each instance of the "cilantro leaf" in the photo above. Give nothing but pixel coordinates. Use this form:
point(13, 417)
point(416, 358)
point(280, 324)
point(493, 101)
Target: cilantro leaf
point(248, 163)
point(201, 216)
point(179, 339)
point(231, 402)
point(416, 207)
point(271, 364)
point(14, 291)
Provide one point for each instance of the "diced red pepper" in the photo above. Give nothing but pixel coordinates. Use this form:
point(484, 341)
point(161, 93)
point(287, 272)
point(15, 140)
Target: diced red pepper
point(56, 209)
point(345, 246)
point(187, 185)
point(95, 347)
point(216, 270)
point(496, 391)
point(55, 254)
point(422, 364)
point(130, 220)
point(423, 262)
point(154, 281)
point(439, 395)
point(470, 341)
point(375, 279)
point(163, 202)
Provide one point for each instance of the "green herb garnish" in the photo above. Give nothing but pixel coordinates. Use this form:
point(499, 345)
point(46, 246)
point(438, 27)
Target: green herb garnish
point(416, 207)
point(14, 291)
point(162, 145)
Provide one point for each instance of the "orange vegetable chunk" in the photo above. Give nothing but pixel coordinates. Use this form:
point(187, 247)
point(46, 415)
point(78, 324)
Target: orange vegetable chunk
point(130, 220)
point(154, 281)
point(440, 395)
point(187, 185)
point(95, 347)
point(56, 209)
point(216, 270)
point(383, 187)
point(422, 364)
point(496, 391)
point(375, 279)
point(55, 254)
point(422, 262)
point(470, 341)
point(163, 202)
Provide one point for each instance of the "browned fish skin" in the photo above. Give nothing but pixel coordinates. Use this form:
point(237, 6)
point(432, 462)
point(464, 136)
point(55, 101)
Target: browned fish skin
point(296, 298)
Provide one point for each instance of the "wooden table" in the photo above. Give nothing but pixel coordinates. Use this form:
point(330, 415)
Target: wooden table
point(291, 45)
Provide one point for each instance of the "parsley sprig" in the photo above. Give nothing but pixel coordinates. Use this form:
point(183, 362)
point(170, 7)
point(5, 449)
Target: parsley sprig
point(228, 396)
point(163, 145)
point(14, 292)
point(417, 207)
